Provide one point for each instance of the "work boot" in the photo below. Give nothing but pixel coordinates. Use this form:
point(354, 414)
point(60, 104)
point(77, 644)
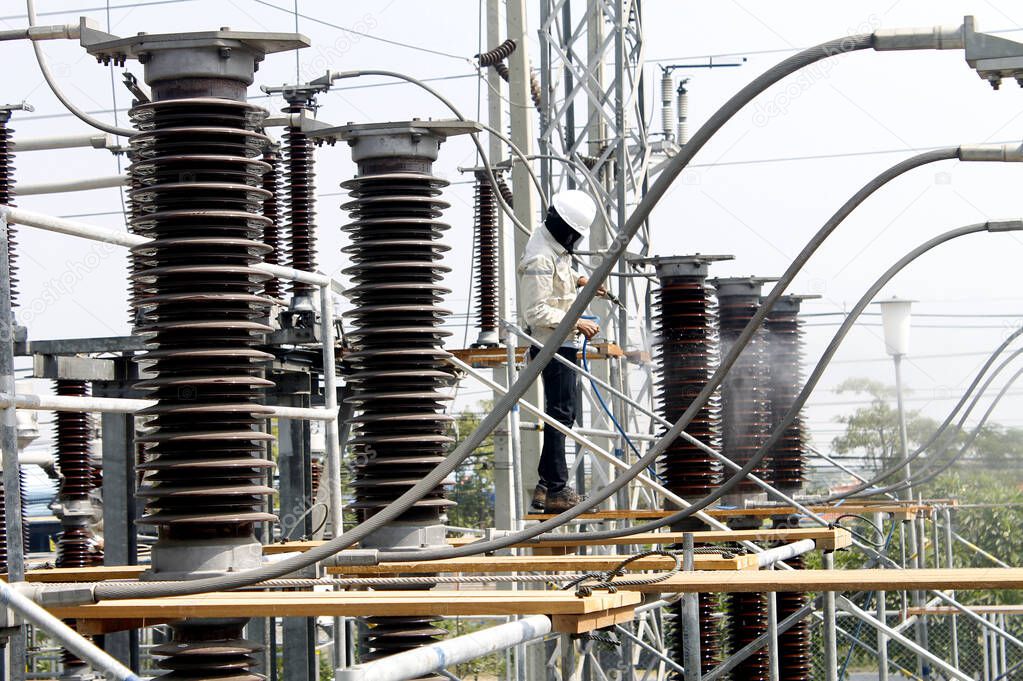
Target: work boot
point(562, 500)
point(539, 498)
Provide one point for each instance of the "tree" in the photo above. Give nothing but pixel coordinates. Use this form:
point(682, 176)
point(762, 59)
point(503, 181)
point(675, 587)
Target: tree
point(872, 432)
point(473, 489)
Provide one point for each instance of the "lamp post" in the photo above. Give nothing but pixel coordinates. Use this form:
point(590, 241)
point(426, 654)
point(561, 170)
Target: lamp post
point(895, 317)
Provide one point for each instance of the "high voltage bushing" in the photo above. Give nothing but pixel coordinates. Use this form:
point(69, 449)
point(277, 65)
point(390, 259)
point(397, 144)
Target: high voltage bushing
point(787, 465)
point(794, 663)
point(76, 546)
point(271, 211)
point(687, 354)
point(747, 620)
point(399, 368)
point(7, 189)
point(199, 198)
point(299, 176)
point(486, 243)
point(745, 402)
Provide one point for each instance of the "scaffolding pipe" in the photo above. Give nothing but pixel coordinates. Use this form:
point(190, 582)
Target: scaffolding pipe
point(49, 223)
point(781, 553)
point(332, 437)
point(830, 633)
point(64, 186)
point(122, 405)
point(65, 635)
point(436, 656)
point(851, 608)
point(87, 139)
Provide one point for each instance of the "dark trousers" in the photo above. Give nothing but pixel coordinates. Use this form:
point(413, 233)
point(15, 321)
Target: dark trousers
point(560, 396)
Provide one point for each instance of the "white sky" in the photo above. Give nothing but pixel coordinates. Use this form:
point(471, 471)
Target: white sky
point(761, 212)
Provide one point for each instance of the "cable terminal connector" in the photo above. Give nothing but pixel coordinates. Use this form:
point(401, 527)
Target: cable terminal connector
point(1005, 226)
point(356, 557)
point(930, 38)
point(57, 594)
point(1011, 153)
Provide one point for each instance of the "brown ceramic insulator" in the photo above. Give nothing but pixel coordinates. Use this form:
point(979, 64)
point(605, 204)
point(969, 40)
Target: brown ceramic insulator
point(486, 255)
point(271, 210)
point(23, 487)
point(315, 476)
point(794, 660)
point(710, 634)
point(686, 354)
point(208, 651)
point(505, 190)
point(201, 203)
point(73, 435)
point(7, 197)
point(745, 403)
point(299, 182)
point(787, 467)
point(76, 548)
point(498, 54)
point(747, 620)
point(535, 91)
point(398, 364)
point(502, 70)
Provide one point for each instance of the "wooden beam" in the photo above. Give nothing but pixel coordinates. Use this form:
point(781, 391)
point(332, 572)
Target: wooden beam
point(902, 511)
point(838, 580)
point(828, 539)
point(504, 564)
point(482, 358)
point(977, 609)
point(352, 604)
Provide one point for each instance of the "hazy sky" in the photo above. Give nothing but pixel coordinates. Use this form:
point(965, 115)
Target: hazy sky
point(753, 192)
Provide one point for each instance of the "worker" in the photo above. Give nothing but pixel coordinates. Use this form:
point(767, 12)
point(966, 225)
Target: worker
point(547, 288)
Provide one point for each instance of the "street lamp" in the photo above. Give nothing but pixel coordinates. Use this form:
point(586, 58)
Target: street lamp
point(895, 317)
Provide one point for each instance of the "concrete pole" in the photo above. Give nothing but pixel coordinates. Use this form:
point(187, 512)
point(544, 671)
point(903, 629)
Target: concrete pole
point(523, 123)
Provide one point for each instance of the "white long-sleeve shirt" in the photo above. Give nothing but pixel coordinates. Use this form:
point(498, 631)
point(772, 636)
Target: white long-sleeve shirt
point(547, 285)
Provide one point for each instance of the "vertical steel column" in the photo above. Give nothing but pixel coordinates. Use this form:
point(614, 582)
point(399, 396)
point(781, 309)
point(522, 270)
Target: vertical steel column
point(830, 624)
point(950, 563)
point(120, 507)
point(772, 633)
point(691, 618)
point(295, 494)
point(882, 617)
point(9, 443)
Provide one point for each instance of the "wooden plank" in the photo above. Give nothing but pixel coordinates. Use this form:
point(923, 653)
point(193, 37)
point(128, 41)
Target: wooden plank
point(492, 357)
point(485, 564)
point(827, 538)
point(765, 512)
point(350, 604)
point(88, 574)
point(579, 624)
point(838, 580)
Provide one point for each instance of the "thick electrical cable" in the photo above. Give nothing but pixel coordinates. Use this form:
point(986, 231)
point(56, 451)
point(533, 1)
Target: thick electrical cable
point(532, 370)
point(868, 485)
point(44, 68)
point(804, 394)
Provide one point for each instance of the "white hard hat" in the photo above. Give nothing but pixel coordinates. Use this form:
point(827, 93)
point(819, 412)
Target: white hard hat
point(577, 209)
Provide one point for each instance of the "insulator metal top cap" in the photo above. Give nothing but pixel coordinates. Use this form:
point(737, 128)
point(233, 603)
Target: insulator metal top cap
point(740, 286)
point(224, 54)
point(694, 265)
point(397, 139)
point(791, 302)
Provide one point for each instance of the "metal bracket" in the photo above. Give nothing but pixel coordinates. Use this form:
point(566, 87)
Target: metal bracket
point(56, 367)
point(993, 57)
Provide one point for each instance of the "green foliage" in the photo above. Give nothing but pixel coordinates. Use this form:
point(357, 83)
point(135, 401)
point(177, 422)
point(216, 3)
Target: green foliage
point(474, 488)
point(873, 431)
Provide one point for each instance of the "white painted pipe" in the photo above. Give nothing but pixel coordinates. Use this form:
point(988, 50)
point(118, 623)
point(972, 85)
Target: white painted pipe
point(783, 553)
point(436, 656)
point(84, 649)
point(49, 223)
point(121, 405)
point(72, 185)
point(88, 139)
